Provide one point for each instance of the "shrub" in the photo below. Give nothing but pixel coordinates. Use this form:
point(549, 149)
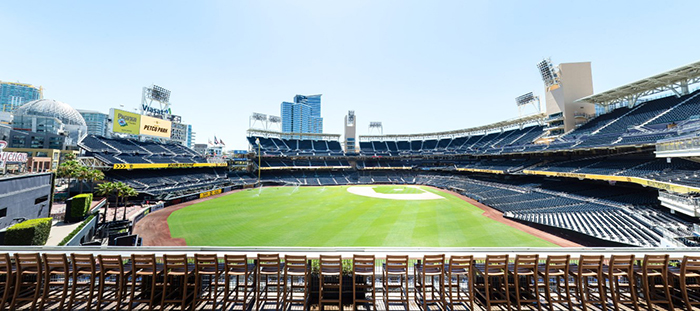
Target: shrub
point(76, 230)
point(80, 206)
point(31, 232)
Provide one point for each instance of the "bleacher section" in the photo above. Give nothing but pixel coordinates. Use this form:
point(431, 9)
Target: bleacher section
point(163, 181)
point(296, 147)
point(129, 151)
point(623, 215)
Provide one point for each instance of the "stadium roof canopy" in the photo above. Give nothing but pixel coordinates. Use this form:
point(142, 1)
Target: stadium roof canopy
point(273, 134)
point(458, 133)
point(676, 81)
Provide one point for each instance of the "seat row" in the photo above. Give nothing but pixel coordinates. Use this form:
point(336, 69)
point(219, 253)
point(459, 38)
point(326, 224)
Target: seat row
point(63, 281)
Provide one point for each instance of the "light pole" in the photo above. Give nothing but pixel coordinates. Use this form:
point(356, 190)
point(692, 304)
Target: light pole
point(257, 142)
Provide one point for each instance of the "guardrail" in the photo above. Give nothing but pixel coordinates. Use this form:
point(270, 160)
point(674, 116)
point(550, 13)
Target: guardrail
point(86, 230)
point(347, 252)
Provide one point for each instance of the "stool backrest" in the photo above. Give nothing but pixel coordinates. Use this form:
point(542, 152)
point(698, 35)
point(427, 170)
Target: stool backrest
point(330, 264)
point(206, 263)
point(55, 262)
point(5, 263)
point(434, 263)
point(397, 263)
point(28, 262)
point(111, 263)
point(557, 265)
point(690, 264)
point(363, 263)
point(269, 262)
point(655, 264)
point(497, 262)
point(295, 263)
point(83, 263)
point(526, 262)
point(174, 261)
point(236, 263)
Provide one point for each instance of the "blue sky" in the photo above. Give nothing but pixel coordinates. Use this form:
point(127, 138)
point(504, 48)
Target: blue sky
point(416, 66)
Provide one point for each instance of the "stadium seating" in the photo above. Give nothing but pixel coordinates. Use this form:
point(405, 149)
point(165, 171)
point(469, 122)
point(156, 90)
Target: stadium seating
point(296, 147)
point(117, 151)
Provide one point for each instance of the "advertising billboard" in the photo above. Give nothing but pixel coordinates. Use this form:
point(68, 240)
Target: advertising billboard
point(151, 126)
point(125, 122)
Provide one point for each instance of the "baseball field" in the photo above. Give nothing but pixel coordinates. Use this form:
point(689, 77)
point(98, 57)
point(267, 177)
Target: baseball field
point(406, 216)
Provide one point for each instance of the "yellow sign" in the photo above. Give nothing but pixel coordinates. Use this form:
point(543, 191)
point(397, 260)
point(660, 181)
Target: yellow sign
point(151, 126)
point(125, 122)
point(209, 193)
point(165, 165)
point(637, 180)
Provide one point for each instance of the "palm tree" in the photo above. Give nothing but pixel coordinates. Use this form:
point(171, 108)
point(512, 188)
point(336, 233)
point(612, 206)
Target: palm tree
point(128, 192)
point(106, 189)
point(68, 169)
point(120, 189)
point(93, 176)
point(82, 173)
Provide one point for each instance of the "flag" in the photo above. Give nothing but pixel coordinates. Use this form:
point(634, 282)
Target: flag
point(221, 141)
point(210, 141)
point(216, 141)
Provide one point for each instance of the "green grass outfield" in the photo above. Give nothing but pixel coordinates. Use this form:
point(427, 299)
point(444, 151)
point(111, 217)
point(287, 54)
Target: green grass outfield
point(331, 216)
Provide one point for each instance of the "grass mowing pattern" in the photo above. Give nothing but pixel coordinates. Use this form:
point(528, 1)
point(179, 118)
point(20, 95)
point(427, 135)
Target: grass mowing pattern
point(331, 216)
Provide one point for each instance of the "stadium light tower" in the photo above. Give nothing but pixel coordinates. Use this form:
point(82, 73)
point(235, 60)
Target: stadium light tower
point(528, 99)
point(275, 121)
point(549, 73)
point(156, 94)
point(376, 126)
point(257, 117)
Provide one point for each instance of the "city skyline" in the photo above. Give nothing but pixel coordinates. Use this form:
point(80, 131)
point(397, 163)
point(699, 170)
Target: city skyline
point(414, 66)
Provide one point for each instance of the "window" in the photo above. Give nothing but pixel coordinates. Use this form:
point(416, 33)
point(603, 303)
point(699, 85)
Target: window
point(41, 199)
point(3, 212)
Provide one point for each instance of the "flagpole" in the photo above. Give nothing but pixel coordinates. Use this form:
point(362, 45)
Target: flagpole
point(257, 142)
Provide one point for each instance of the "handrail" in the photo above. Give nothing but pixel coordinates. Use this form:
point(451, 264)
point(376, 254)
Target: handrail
point(413, 252)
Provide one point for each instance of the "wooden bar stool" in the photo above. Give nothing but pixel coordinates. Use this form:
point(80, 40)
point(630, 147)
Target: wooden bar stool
point(460, 269)
point(495, 273)
point(688, 292)
point(555, 276)
point(654, 282)
point(242, 274)
point(589, 268)
point(296, 279)
point(395, 268)
point(620, 274)
point(525, 276)
point(176, 281)
point(363, 269)
point(330, 267)
point(269, 269)
point(57, 273)
point(29, 279)
point(84, 276)
point(7, 279)
point(206, 279)
point(113, 275)
point(146, 275)
point(425, 272)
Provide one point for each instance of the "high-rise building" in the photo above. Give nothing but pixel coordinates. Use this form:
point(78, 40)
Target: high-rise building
point(350, 131)
point(97, 122)
point(303, 115)
point(190, 136)
point(13, 95)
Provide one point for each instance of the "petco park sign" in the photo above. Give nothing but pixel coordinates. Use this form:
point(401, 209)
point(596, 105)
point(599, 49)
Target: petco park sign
point(10, 156)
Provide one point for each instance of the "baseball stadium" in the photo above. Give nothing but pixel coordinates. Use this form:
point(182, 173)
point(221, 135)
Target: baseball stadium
point(591, 202)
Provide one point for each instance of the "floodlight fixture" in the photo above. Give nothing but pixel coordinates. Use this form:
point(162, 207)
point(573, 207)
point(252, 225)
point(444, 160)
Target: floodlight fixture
point(160, 94)
point(259, 116)
point(274, 119)
point(548, 72)
point(524, 99)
